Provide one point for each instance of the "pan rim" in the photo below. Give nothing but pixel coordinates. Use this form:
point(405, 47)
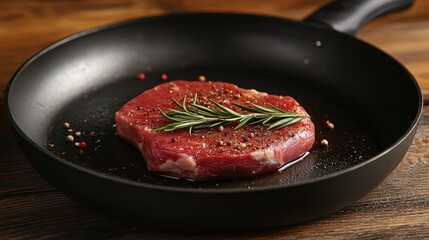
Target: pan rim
point(131, 183)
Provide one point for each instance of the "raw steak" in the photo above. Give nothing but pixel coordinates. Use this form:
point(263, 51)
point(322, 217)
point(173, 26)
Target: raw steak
point(216, 152)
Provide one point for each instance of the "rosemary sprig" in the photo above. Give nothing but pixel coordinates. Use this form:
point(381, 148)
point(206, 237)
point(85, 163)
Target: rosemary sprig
point(200, 117)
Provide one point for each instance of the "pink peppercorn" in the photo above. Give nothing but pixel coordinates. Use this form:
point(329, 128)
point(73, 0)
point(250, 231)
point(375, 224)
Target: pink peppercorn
point(141, 76)
point(82, 144)
point(164, 77)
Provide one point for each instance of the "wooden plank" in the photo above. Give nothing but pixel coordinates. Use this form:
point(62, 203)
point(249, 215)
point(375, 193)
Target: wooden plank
point(17, 175)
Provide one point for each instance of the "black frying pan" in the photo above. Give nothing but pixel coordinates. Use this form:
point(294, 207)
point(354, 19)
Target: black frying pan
point(372, 99)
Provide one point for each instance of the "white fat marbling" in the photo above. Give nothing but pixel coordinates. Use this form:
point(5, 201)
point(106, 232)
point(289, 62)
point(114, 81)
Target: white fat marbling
point(184, 163)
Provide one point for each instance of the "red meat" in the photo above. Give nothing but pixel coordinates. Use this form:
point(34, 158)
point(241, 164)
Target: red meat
point(212, 153)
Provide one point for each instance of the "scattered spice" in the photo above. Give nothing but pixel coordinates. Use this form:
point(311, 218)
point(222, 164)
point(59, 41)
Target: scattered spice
point(92, 133)
point(252, 135)
point(246, 138)
point(221, 128)
point(220, 142)
point(243, 145)
point(164, 77)
point(70, 138)
point(324, 142)
point(202, 78)
point(70, 130)
point(173, 140)
point(66, 125)
point(141, 76)
point(330, 125)
point(229, 142)
point(78, 134)
point(77, 144)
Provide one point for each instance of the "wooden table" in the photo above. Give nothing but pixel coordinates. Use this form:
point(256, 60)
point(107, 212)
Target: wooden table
point(31, 208)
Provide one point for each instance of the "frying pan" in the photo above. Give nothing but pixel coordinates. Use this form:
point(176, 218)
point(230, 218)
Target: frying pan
point(372, 99)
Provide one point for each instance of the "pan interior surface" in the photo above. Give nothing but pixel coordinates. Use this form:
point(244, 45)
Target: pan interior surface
point(351, 141)
point(84, 80)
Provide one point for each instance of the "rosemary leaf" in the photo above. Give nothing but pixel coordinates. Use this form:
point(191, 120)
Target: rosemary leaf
point(276, 108)
point(243, 121)
point(266, 120)
point(184, 104)
point(200, 107)
point(225, 109)
point(190, 130)
point(279, 123)
point(263, 109)
point(245, 108)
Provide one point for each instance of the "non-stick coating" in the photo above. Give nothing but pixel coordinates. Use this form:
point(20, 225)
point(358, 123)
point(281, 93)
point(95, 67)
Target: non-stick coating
point(373, 101)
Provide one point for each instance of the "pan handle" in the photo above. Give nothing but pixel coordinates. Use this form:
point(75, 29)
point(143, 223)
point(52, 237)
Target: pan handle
point(348, 16)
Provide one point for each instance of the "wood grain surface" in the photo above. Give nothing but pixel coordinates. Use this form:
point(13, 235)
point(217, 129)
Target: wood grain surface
point(31, 208)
